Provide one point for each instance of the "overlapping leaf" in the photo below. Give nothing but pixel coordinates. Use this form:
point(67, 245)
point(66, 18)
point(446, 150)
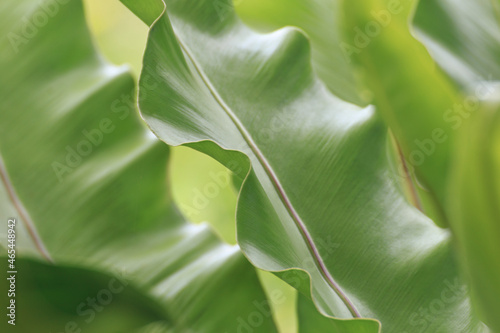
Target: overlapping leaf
point(412, 95)
point(474, 204)
point(53, 298)
point(319, 195)
point(89, 180)
point(466, 47)
point(463, 37)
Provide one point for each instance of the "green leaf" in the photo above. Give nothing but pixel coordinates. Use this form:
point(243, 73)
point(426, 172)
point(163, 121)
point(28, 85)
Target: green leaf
point(465, 47)
point(312, 321)
point(88, 180)
point(462, 36)
point(67, 299)
point(319, 19)
point(319, 196)
point(474, 204)
point(411, 94)
point(468, 48)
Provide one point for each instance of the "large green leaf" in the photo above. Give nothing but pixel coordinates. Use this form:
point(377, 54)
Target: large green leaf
point(89, 180)
point(474, 205)
point(410, 92)
point(321, 20)
point(319, 196)
point(467, 47)
point(463, 37)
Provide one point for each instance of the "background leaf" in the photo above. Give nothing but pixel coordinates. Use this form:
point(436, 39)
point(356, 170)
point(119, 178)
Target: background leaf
point(64, 299)
point(475, 194)
point(410, 93)
point(462, 36)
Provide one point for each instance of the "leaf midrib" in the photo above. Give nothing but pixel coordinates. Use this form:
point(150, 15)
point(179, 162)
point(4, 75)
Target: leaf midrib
point(274, 180)
point(23, 213)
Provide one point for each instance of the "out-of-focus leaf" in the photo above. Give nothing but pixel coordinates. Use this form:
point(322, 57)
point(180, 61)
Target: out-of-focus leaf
point(475, 204)
point(462, 36)
point(8, 211)
point(89, 180)
point(319, 195)
point(68, 299)
point(410, 92)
